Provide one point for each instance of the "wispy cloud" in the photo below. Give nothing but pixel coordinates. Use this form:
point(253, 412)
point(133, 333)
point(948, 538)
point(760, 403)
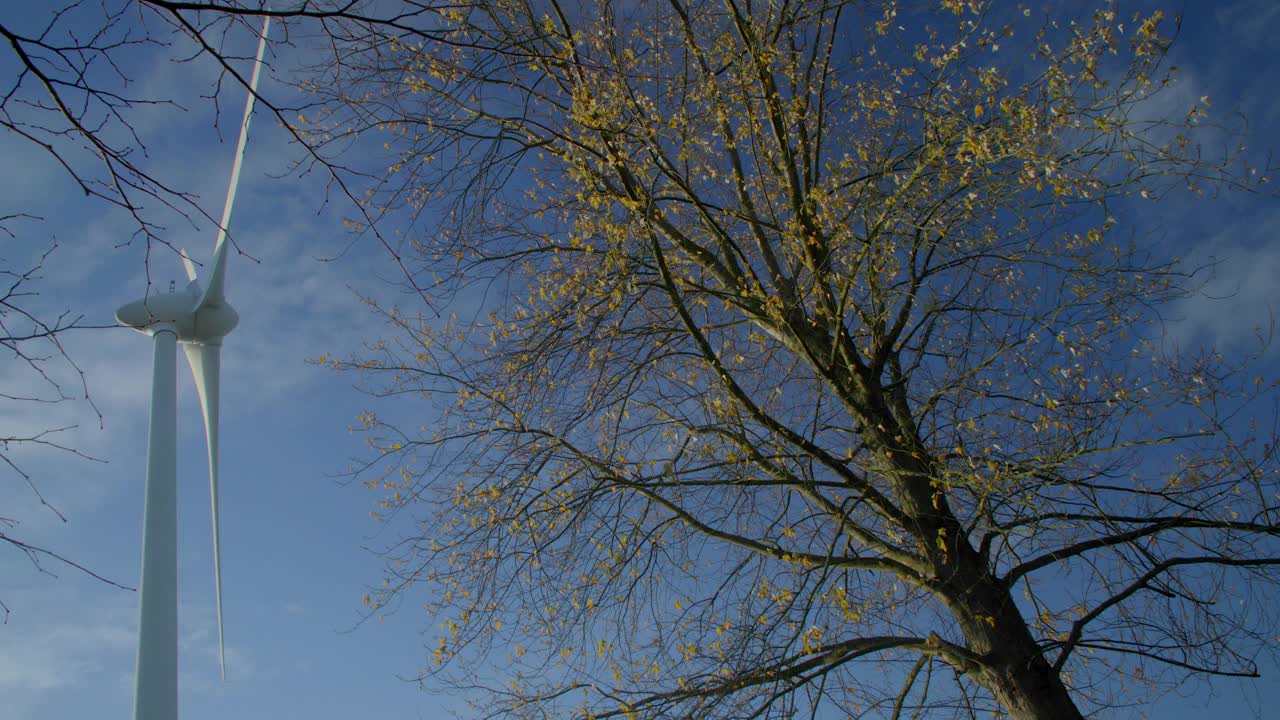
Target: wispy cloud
point(91, 646)
point(1238, 303)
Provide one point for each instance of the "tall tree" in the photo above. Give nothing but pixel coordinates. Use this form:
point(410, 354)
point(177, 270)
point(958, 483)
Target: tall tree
point(800, 357)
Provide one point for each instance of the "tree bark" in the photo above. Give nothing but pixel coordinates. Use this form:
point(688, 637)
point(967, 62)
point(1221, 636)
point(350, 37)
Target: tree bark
point(1004, 656)
point(1010, 662)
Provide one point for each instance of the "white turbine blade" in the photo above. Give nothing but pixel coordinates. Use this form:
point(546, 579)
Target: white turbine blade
point(205, 366)
point(214, 291)
point(188, 265)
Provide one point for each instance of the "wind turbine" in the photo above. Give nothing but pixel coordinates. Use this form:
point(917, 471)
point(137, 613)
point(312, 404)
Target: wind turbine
point(199, 319)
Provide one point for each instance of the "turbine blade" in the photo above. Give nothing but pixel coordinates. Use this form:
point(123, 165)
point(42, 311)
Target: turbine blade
point(188, 264)
point(215, 290)
point(205, 364)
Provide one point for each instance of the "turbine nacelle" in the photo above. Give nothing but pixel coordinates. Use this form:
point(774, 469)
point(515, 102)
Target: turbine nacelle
point(206, 324)
point(177, 308)
point(197, 316)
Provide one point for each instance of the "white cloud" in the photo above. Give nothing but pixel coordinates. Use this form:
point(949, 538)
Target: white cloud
point(1239, 301)
point(1250, 22)
point(198, 646)
point(94, 645)
point(93, 640)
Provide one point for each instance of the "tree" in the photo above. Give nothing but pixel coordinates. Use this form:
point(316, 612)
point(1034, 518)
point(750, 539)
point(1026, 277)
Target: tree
point(804, 357)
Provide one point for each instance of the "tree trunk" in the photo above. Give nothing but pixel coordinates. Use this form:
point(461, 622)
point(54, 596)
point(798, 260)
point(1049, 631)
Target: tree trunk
point(1007, 659)
point(1011, 664)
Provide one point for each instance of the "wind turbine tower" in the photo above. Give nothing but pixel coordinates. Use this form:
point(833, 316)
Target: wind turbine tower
point(199, 319)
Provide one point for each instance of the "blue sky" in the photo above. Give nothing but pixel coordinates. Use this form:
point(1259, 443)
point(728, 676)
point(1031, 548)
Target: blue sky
point(294, 535)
